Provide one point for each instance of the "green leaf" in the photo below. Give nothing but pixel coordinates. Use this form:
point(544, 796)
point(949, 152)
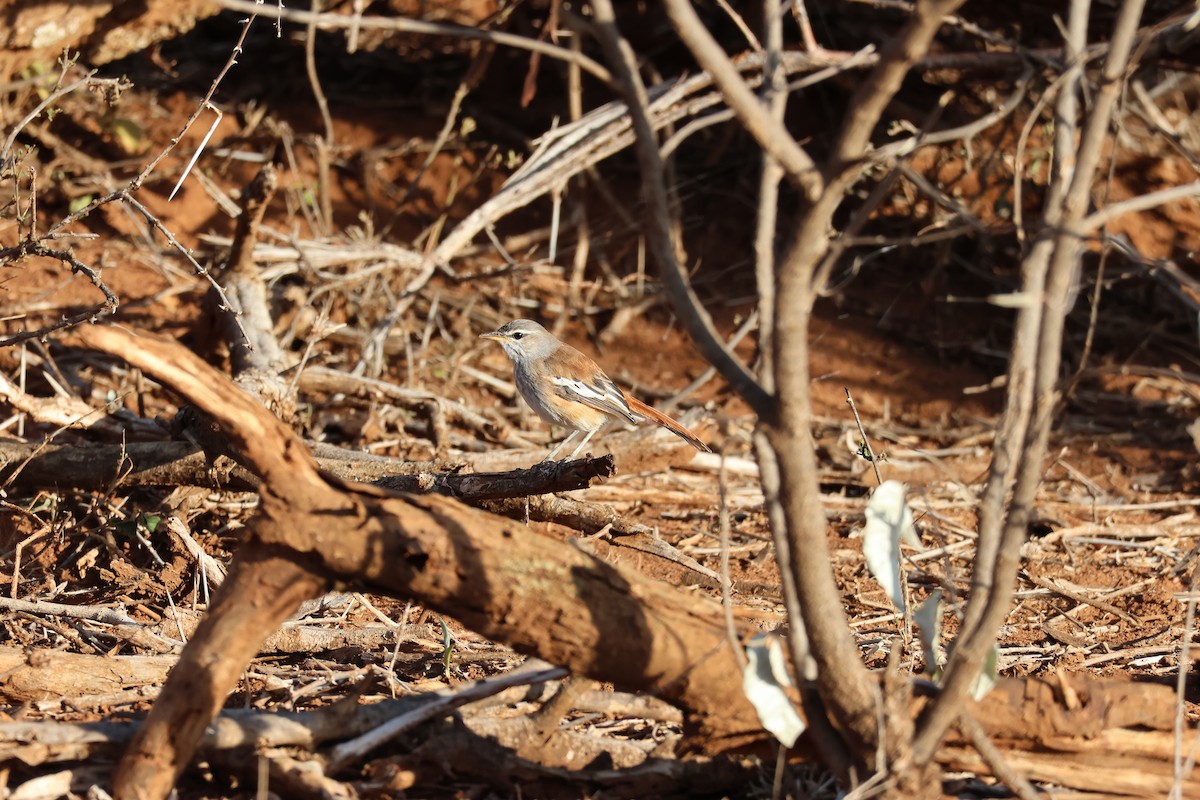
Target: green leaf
point(128, 135)
point(46, 503)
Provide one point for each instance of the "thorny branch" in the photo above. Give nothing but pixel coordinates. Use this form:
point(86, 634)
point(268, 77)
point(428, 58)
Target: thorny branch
point(125, 193)
point(328, 21)
point(17, 253)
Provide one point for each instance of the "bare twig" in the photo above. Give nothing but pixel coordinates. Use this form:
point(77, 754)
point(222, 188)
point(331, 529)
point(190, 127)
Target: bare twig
point(658, 233)
point(767, 129)
point(992, 756)
point(1048, 271)
point(866, 441)
point(731, 632)
point(767, 222)
point(124, 194)
point(533, 671)
point(136, 183)
point(1058, 587)
point(1141, 202)
point(329, 21)
point(249, 329)
point(114, 85)
point(800, 12)
point(1183, 766)
point(793, 491)
point(325, 143)
point(927, 138)
point(36, 248)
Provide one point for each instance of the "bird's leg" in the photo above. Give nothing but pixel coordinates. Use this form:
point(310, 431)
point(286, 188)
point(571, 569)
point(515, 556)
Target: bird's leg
point(561, 445)
point(581, 445)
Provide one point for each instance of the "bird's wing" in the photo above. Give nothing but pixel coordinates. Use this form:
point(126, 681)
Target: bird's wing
point(598, 391)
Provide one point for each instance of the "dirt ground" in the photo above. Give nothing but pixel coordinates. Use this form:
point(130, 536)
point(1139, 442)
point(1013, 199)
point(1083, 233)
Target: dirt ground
point(1111, 555)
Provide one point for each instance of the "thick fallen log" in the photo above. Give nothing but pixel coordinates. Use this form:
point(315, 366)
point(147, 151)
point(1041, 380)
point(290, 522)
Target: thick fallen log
point(30, 675)
point(1102, 735)
point(543, 597)
point(1077, 730)
point(100, 467)
point(493, 575)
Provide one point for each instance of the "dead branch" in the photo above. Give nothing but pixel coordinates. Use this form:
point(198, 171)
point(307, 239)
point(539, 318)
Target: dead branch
point(1080, 731)
point(352, 262)
point(767, 129)
point(253, 346)
point(1140, 203)
point(1031, 396)
point(331, 21)
point(117, 624)
point(499, 579)
point(71, 412)
point(577, 514)
point(55, 676)
point(115, 85)
point(97, 467)
point(44, 742)
point(126, 193)
point(292, 777)
point(262, 589)
point(658, 223)
point(784, 442)
point(543, 478)
point(41, 674)
point(571, 149)
point(1061, 728)
point(500, 764)
point(316, 380)
point(532, 671)
point(15, 255)
point(646, 448)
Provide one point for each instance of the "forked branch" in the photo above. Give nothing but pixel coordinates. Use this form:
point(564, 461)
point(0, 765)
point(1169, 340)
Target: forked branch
point(658, 232)
point(1047, 274)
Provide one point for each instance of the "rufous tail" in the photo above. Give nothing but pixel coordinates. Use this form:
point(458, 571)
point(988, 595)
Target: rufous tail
point(654, 415)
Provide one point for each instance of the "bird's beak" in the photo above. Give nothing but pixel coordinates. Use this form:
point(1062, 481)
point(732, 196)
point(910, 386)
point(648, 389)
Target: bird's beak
point(497, 335)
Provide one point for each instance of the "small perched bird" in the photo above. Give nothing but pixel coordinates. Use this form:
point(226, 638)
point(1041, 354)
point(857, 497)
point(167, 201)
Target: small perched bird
point(565, 387)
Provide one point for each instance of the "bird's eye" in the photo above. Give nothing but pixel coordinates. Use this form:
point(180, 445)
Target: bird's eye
point(517, 335)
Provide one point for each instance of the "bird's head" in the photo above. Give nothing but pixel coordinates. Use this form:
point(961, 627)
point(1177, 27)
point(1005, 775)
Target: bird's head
point(523, 339)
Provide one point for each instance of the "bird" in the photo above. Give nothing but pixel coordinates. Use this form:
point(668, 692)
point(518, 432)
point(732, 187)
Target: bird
point(564, 387)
